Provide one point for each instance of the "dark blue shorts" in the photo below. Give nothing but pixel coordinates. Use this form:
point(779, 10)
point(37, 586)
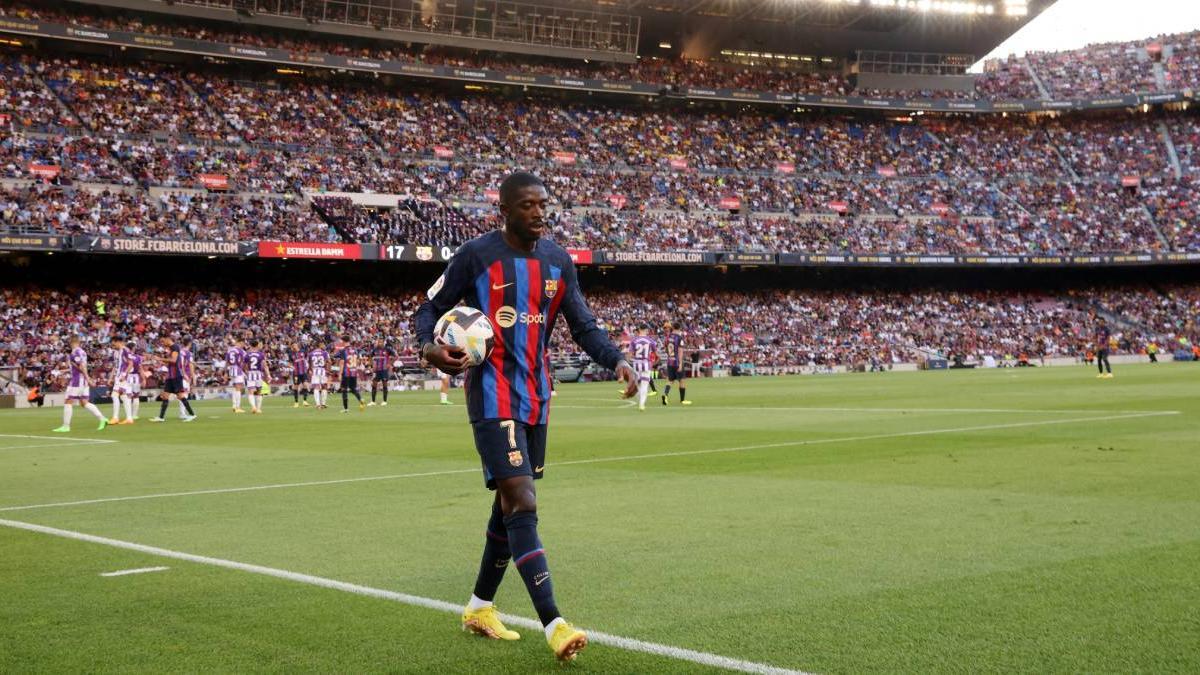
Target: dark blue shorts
point(675, 373)
point(173, 385)
point(508, 448)
point(382, 376)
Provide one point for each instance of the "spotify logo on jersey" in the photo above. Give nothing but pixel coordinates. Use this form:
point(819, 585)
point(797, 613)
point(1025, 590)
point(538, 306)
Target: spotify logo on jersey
point(506, 317)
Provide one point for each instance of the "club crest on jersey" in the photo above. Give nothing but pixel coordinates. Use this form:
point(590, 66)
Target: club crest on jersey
point(551, 287)
point(515, 458)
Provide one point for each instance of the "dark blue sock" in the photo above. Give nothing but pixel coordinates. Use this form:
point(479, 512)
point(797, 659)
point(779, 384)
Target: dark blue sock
point(496, 555)
point(531, 563)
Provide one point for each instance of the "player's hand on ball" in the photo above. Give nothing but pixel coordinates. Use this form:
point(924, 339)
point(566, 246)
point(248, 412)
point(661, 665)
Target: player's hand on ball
point(625, 374)
point(447, 359)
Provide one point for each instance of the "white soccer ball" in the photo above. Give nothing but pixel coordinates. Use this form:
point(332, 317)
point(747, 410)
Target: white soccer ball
point(468, 329)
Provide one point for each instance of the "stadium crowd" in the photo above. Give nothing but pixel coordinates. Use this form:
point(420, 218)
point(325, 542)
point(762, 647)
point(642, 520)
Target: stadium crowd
point(769, 328)
point(1098, 69)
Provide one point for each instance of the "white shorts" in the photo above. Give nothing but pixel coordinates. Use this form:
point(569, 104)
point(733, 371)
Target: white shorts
point(135, 384)
point(84, 392)
point(319, 378)
point(645, 375)
point(123, 387)
point(237, 378)
point(254, 379)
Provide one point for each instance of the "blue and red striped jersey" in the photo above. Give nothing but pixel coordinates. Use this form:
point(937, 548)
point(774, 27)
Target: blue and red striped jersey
point(299, 359)
point(381, 358)
point(522, 293)
point(674, 349)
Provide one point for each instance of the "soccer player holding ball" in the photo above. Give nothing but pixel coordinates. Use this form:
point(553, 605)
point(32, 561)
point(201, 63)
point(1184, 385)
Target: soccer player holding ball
point(521, 283)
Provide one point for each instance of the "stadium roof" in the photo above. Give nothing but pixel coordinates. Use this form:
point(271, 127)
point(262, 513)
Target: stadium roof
point(694, 28)
point(830, 27)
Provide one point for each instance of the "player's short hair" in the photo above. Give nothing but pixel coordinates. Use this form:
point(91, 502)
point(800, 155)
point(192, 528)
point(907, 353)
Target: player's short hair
point(257, 342)
point(186, 340)
point(118, 338)
point(515, 181)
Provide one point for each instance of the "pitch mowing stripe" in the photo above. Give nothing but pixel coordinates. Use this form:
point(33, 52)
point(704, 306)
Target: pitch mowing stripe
point(628, 644)
point(598, 460)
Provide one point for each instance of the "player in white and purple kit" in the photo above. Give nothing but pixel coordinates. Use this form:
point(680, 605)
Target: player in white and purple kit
point(235, 361)
point(79, 389)
point(122, 367)
point(134, 397)
point(643, 348)
point(257, 373)
point(318, 361)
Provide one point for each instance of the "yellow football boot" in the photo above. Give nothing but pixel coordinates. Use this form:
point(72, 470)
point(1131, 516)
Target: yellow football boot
point(567, 641)
point(485, 621)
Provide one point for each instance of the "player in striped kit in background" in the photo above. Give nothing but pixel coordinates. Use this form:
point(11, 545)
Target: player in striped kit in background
point(381, 363)
point(643, 348)
point(187, 366)
point(174, 383)
point(299, 361)
point(79, 389)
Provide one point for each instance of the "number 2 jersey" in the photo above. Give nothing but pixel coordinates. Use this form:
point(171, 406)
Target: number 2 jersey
point(522, 293)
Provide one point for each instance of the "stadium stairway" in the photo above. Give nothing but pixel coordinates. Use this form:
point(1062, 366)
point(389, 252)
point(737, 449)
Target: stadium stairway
point(1037, 81)
point(337, 110)
point(1172, 154)
point(213, 114)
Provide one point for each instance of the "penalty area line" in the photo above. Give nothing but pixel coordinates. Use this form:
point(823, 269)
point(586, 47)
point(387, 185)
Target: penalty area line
point(599, 460)
point(607, 639)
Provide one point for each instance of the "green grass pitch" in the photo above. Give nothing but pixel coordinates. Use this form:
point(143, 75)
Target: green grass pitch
point(1020, 520)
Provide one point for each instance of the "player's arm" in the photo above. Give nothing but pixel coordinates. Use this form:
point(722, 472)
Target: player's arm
point(587, 334)
point(445, 293)
point(87, 379)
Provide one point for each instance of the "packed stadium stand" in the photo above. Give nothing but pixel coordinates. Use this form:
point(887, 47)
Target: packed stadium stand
point(139, 145)
point(803, 331)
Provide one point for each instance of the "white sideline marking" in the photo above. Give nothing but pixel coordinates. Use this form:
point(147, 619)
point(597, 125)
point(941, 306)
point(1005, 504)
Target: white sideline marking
point(60, 439)
point(629, 644)
point(42, 445)
point(597, 460)
point(140, 570)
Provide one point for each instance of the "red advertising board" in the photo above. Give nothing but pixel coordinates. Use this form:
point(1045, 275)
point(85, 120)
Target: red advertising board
point(839, 206)
point(563, 157)
point(888, 171)
point(580, 256)
point(678, 162)
point(45, 171)
point(1131, 181)
point(442, 152)
point(939, 208)
point(731, 203)
point(214, 181)
point(617, 201)
point(309, 249)
point(785, 167)
point(492, 195)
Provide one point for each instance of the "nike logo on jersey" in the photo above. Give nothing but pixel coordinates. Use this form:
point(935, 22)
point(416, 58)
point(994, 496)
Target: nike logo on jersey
point(498, 287)
point(538, 469)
